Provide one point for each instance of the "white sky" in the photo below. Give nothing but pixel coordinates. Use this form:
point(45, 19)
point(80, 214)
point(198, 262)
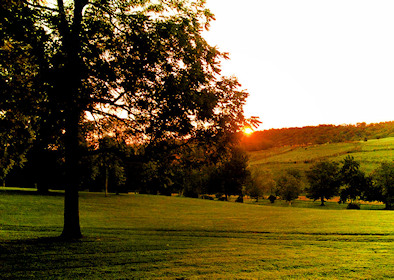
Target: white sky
point(309, 62)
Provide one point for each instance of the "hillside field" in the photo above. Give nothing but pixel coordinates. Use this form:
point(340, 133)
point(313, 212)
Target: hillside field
point(369, 153)
point(157, 237)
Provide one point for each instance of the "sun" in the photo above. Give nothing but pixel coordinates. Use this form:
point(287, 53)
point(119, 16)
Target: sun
point(248, 130)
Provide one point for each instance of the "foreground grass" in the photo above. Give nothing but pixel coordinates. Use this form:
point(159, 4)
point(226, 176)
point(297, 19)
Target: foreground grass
point(140, 237)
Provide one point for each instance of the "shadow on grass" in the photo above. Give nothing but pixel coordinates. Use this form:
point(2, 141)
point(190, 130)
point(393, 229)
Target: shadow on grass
point(30, 192)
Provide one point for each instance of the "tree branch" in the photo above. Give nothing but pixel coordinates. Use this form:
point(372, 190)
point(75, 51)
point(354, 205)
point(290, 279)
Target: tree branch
point(40, 7)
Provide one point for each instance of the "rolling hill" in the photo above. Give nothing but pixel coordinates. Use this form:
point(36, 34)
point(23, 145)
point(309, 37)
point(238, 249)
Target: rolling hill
point(369, 153)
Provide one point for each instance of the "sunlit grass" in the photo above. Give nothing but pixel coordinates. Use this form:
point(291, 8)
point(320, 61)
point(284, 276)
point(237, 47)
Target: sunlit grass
point(369, 153)
point(142, 237)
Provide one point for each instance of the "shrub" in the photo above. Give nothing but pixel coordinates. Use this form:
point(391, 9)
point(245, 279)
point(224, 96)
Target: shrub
point(272, 198)
point(188, 192)
point(353, 205)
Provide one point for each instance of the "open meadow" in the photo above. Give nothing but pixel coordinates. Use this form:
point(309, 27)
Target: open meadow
point(145, 237)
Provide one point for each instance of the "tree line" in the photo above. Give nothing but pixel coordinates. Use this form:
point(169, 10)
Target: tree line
point(189, 169)
point(261, 140)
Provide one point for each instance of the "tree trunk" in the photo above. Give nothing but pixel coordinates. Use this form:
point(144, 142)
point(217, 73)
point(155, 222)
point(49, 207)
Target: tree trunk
point(71, 229)
point(74, 108)
point(106, 181)
point(322, 201)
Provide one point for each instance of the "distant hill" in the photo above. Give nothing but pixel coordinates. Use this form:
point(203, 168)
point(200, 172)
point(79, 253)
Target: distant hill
point(310, 135)
point(369, 153)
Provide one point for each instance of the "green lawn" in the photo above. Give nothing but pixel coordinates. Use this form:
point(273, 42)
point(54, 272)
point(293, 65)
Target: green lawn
point(143, 237)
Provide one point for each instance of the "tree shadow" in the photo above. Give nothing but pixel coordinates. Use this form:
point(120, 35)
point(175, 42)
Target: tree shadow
point(31, 192)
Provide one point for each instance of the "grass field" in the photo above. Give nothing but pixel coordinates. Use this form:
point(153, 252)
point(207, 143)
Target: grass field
point(370, 154)
point(144, 237)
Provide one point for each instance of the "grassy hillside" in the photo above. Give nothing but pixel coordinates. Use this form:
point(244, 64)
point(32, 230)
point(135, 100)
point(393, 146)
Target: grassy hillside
point(369, 153)
point(146, 237)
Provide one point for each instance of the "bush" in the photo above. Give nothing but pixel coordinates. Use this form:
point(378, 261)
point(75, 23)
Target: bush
point(188, 192)
point(272, 198)
point(353, 206)
point(240, 199)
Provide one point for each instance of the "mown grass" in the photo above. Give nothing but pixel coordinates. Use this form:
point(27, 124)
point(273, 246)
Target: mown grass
point(146, 237)
point(369, 153)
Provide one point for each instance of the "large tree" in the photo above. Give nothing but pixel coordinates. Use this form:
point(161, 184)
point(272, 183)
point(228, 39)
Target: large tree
point(143, 64)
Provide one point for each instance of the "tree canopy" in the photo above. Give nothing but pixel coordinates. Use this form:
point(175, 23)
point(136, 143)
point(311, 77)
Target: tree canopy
point(141, 66)
point(289, 185)
point(383, 184)
point(354, 180)
point(324, 181)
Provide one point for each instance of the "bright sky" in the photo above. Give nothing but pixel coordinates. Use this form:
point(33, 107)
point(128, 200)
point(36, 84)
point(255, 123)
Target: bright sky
point(309, 62)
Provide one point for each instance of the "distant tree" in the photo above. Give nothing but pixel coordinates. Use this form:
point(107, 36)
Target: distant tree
point(108, 168)
point(382, 188)
point(324, 181)
point(254, 190)
point(261, 181)
point(355, 181)
point(232, 174)
point(289, 185)
point(16, 137)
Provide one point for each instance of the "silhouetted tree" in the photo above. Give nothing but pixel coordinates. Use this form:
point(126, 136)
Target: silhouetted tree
point(142, 64)
point(324, 181)
point(354, 180)
point(107, 166)
point(382, 188)
point(229, 176)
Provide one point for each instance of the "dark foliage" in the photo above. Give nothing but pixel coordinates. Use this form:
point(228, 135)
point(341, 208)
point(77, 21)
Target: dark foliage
point(382, 188)
point(353, 205)
point(272, 198)
point(324, 180)
point(135, 70)
point(289, 185)
point(353, 180)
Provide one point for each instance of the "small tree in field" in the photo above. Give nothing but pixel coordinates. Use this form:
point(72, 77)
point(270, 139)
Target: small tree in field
point(382, 188)
point(290, 185)
point(355, 181)
point(261, 181)
point(234, 172)
point(323, 181)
